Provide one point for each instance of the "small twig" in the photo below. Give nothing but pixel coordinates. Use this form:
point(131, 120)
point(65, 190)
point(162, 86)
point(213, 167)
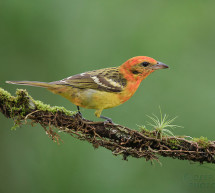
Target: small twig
point(26, 117)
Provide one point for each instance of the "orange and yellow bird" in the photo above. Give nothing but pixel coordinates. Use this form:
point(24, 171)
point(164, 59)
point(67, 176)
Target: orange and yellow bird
point(104, 88)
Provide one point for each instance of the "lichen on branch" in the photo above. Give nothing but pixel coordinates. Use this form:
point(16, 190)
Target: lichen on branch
point(119, 139)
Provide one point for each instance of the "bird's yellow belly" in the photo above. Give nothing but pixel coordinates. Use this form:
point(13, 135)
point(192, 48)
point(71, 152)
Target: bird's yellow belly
point(89, 98)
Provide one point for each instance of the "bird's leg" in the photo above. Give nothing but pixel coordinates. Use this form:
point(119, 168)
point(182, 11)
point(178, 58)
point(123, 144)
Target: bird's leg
point(98, 114)
point(81, 116)
point(79, 112)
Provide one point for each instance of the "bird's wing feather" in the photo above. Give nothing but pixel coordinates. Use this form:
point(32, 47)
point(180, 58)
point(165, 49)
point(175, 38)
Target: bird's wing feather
point(108, 79)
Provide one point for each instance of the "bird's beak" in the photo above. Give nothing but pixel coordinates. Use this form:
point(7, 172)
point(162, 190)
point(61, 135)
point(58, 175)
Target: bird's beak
point(159, 65)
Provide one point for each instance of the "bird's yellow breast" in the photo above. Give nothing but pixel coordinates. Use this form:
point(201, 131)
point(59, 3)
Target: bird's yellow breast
point(89, 98)
point(96, 99)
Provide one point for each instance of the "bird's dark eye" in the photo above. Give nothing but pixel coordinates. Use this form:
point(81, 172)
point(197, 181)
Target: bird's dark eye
point(145, 64)
point(135, 72)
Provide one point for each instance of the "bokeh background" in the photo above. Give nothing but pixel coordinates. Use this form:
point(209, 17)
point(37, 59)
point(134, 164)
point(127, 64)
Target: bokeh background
point(50, 40)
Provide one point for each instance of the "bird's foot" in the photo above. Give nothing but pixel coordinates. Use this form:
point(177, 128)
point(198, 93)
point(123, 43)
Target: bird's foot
point(80, 114)
point(107, 120)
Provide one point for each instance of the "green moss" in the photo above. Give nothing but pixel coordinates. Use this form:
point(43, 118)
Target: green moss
point(44, 107)
point(21, 92)
point(147, 132)
point(5, 97)
point(143, 129)
point(17, 123)
point(202, 141)
point(40, 105)
point(173, 143)
point(4, 94)
point(22, 104)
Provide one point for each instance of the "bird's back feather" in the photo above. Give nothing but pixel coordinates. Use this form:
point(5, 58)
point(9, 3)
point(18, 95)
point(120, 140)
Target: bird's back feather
point(108, 79)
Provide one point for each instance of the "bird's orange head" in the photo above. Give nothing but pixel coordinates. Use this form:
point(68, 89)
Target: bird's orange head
point(139, 67)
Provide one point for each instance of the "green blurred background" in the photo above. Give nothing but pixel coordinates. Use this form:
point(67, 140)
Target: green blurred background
point(50, 40)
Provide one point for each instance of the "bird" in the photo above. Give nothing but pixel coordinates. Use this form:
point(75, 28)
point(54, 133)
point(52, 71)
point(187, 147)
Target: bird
point(104, 88)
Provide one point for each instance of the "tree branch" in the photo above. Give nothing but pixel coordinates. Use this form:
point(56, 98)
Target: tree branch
point(117, 138)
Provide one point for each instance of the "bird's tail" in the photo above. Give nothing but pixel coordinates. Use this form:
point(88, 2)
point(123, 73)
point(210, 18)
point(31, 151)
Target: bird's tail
point(31, 83)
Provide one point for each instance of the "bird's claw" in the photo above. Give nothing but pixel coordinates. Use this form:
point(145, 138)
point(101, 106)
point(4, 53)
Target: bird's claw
point(107, 120)
point(80, 114)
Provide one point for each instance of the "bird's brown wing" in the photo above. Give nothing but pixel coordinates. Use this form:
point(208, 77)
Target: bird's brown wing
point(108, 79)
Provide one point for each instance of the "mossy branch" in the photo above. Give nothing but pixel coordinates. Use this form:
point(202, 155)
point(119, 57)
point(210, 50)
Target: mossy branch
point(117, 138)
